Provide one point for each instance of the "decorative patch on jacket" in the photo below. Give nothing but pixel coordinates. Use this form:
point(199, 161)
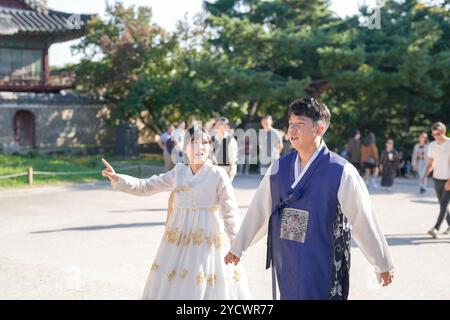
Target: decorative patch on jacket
point(294, 224)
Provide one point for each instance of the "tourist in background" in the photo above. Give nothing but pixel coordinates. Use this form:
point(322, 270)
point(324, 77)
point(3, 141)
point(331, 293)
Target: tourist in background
point(354, 150)
point(165, 144)
point(369, 160)
point(270, 144)
point(389, 165)
point(439, 163)
point(419, 159)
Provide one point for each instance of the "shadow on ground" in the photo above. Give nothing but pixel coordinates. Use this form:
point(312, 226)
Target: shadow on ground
point(412, 239)
point(104, 227)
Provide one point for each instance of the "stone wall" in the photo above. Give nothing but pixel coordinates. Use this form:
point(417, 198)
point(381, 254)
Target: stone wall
point(59, 120)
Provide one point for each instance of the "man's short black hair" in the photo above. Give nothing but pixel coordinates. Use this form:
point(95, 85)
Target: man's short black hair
point(311, 108)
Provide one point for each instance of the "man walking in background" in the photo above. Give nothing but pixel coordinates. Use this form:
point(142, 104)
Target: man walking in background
point(225, 147)
point(439, 162)
point(354, 150)
point(270, 144)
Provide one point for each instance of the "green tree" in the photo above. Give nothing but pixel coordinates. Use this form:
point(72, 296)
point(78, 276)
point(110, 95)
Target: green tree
point(392, 81)
point(133, 64)
point(269, 48)
point(244, 58)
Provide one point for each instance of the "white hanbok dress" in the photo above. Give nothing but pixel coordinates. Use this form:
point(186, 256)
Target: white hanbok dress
point(190, 263)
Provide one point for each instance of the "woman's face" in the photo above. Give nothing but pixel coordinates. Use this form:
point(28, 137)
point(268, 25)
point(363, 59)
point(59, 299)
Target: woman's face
point(389, 145)
point(198, 149)
point(423, 138)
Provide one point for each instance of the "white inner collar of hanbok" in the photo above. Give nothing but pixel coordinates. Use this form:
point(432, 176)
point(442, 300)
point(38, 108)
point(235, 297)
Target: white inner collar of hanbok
point(205, 166)
point(298, 172)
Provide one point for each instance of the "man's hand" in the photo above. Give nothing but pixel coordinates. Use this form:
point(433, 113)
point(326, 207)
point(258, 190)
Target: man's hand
point(109, 171)
point(447, 185)
point(231, 258)
point(385, 278)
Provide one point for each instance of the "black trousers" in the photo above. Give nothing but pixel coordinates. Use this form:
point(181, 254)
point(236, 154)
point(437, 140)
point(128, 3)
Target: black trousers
point(444, 198)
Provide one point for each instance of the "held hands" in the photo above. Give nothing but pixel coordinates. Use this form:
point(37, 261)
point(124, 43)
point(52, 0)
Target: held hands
point(385, 278)
point(109, 172)
point(231, 258)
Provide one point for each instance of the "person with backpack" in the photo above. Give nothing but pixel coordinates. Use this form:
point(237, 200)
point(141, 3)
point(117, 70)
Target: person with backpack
point(369, 160)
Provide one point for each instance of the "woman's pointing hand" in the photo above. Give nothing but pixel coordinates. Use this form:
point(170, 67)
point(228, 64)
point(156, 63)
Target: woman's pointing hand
point(109, 171)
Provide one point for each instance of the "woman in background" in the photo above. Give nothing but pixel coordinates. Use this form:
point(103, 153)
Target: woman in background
point(419, 159)
point(369, 160)
point(389, 165)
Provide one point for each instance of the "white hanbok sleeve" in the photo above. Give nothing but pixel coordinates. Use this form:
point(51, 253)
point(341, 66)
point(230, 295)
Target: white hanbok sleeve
point(146, 187)
point(255, 224)
point(228, 205)
point(357, 207)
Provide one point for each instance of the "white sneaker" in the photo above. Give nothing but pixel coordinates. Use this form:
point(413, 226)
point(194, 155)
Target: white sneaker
point(433, 233)
point(447, 231)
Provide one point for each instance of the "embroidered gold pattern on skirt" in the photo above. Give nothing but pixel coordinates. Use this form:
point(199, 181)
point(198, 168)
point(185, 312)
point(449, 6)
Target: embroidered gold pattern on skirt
point(171, 275)
point(200, 278)
point(212, 279)
point(237, 275)
point(155, 266)
point(183, 274)
point(197, 238)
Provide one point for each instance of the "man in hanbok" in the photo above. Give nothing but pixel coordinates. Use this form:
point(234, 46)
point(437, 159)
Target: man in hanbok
point(307, 204)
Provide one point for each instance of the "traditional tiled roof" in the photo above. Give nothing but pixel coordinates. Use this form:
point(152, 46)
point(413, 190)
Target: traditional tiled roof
point(6, 98)
point(14, 21)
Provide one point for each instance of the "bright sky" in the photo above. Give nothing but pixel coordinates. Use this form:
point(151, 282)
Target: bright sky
point(165, 12)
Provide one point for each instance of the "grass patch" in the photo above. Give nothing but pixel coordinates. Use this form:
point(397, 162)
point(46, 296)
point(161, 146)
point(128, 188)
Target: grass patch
point(11, 164)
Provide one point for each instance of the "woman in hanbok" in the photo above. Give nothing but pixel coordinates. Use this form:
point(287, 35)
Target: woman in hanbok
point(203, 221)
point(389, 165)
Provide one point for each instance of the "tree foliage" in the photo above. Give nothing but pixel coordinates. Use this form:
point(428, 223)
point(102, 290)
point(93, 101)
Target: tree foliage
point(246, 58)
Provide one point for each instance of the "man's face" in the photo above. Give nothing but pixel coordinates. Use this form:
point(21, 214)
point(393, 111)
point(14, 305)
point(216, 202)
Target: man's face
point(438, 135)
point(266, 123)
point(302, 131)
point(222, 127)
